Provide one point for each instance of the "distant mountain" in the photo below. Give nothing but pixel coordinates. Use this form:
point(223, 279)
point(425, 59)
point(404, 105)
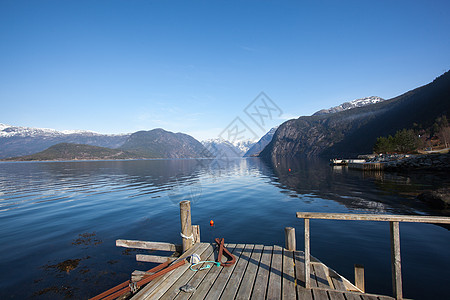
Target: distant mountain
point(222, 148)
point(354, 131)
point(349, 105)
point(18, 141)
point(159, 143)
point(262, 143)
point(70, 151)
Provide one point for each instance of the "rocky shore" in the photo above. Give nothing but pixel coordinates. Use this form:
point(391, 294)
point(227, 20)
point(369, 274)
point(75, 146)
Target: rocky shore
point(431, 162)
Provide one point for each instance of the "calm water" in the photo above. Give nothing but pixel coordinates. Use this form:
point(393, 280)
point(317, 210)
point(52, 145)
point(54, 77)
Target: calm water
point(59, 220)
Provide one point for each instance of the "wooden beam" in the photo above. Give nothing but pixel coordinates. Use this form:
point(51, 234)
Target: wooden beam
point(154, 258)
point(395, 260)
point(196, 232)
point(373, 217)
point(359, 277)
point(186, 225)
point(148, 245)
point(307, 256)
point(289, 234)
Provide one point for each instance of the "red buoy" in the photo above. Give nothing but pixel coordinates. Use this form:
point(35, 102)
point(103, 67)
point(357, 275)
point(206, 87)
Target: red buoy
point(211, 223)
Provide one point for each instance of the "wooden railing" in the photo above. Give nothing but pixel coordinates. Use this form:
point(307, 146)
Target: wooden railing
point(395, 238)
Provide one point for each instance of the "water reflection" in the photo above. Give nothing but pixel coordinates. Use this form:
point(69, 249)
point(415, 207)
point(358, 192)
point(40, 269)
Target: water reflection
point(378, 192)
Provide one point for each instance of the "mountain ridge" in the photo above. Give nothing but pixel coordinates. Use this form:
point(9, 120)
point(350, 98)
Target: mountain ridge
point(354, 131)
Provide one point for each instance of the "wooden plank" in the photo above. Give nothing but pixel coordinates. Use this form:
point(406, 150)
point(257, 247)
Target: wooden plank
point(234, 282)
point(288, 275)
point(307, 256)
point(162, 283)
point(196, 233)
point(320, 276)
point(338, 283)
point(199, 276)
point(246, 287)
point(174, 290)
point(148, 245)
point(374, 217)
point(289, 236)
point(369, 297)
point(274, 288)
point(154, 258)
point(213, 275)
point(228, 281)
point(300, 268)
point(359, 277)
point(336, 295)
point(352, 296)
point(320, 294)
point(262, 277)
point(396, 260)
point(304, 294)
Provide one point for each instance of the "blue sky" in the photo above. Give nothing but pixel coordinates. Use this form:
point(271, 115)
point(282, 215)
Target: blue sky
point(194, 66)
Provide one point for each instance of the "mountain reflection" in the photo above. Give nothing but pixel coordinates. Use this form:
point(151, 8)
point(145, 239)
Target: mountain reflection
point(378, 192)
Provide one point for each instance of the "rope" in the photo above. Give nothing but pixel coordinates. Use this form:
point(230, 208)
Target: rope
point(205, 267)
point(191, 237)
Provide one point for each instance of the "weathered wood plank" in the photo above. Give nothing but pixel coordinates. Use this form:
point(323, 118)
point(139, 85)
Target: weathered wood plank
point(304, 294)
point(275, 276)
point(359, 277)
point(300, 268)
point(307, 256)
point(199, 276)
point(289, 236)
point(245, 289)
point(216, 274)
point(233, 283)
point(320, 276)
point(320, 294)
point(242, 251)
point(374, 217)
point(162, 283)
point(154, 258)
point(369, 297)
point(352, 296)
point(174, 290)
point(396, 260)
point(148, 245)
point(262, 277)
point(338, 283)
point(196, 233)
point(336, 295)
point(288, 275)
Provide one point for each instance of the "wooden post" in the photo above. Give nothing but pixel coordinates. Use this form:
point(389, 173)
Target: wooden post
point(186, 225)
point(359, 277)
point(307, 256)
point(289, 234)
point(196, 232)
point(395, 260)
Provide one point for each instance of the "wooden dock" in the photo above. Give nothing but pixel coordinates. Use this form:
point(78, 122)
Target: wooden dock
point(260, 272)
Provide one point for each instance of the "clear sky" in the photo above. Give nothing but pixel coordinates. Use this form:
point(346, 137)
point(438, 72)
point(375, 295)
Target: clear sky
point(194, 66)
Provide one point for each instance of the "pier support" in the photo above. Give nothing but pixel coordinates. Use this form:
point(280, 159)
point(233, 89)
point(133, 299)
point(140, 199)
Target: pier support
point(186, 225)
point(307, 256)
point(359, 277)
point(289, 235)
point(395, 260)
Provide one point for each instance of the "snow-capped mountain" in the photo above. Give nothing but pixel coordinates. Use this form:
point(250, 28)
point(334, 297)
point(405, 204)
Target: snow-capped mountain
point(18, 141)
point(220, 147)
point(10, 131)
point(349, 105)
point(262, 143)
